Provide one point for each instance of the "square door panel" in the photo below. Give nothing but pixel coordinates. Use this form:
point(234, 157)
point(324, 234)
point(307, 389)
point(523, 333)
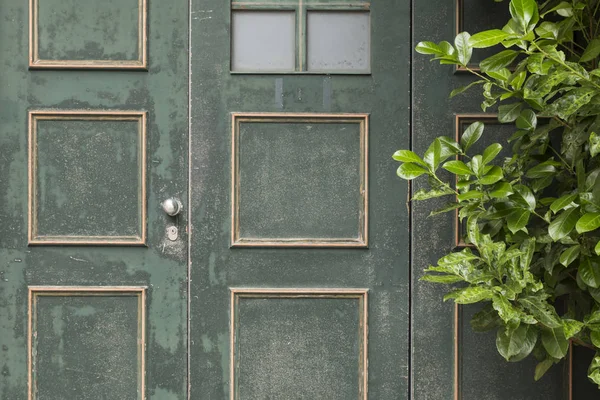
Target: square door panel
point(88, 34)
point(87, 177)
point(299, 343)
point(299, 180)
point(86, 343)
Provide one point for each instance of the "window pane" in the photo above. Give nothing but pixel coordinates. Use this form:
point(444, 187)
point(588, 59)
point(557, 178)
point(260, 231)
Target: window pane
point(339, 41)
point(263, 41)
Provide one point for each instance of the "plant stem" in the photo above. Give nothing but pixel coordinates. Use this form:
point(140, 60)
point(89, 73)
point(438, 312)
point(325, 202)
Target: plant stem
point(581, 343)
point(561, 62)
point(444, 183)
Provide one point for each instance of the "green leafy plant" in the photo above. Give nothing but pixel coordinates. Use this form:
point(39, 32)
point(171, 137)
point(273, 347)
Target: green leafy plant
point(532, 218)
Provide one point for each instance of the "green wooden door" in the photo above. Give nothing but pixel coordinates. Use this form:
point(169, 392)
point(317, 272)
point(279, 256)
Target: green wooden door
point(299, 229)
point(93, 136)
point(286, 275)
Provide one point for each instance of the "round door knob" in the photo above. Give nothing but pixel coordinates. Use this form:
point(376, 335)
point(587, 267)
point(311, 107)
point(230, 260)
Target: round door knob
point(172, 206)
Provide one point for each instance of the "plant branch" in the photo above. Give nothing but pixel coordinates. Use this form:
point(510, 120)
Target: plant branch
point(565, 65)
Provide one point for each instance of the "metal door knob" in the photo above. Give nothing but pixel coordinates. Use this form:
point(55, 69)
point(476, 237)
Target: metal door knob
point(172, 206)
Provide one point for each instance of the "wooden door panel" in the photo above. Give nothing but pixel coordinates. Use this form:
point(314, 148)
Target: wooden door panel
point(67, 333)
point(73, 34)
point(93, 294)
point(305, 345)
point(308, 343)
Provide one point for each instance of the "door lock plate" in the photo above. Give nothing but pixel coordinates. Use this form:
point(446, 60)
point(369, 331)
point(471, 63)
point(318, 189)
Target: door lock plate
point(172, 233)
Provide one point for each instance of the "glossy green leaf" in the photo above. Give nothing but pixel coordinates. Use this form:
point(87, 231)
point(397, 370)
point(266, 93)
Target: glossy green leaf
point(547, 30)
point(502, 75)
point(509, 112)
point(423, 194)
point(594, 370)
point(501, 190)
point(518, 220)
point(589, 222)
point(527, 120)
point(541, 171)
point(498, 61)
point(518, 80)
point(457, 167)
point(487, 38)
point(589, 272)
point(432, 156)
point(595, 336)
point(516, 344)
point(473, 194)
point(447, 48)
point(469, 295)
point(429, 48)
point(445, 279)
point(408, 156)
point(476, 165)
point(491, 152)
point(505, 309)
point(562, 225)
point(464, 50)
point(449, 147)
point(591, 51)
point(572, 327)
point(563, 202)
point(463, 89)
point(569, 103)
point(492, 176)
point(410, 171)
point(446, 208)
point(528, 249)
point(541, 311)
point(594, 143)
point(555, 342)
point(542, 368)
point(523, 12)
point(526, 195)
point(597, 248)
point(592, 321)
point(563, 8)
point(471, 135)
point(570, 255)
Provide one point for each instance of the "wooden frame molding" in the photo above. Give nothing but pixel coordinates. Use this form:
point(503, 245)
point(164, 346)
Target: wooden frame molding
point(458, 28)
point(34, 237)
point(35, 62)
point(35, 292)
point(311, 293)
point(361, 119)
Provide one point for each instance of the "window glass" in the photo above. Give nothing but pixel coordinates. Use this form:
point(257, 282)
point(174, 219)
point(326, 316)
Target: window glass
point(263, 41)
point(338, 41)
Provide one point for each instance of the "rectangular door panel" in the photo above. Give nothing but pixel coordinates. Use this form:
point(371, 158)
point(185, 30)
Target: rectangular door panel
point(87, 342)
